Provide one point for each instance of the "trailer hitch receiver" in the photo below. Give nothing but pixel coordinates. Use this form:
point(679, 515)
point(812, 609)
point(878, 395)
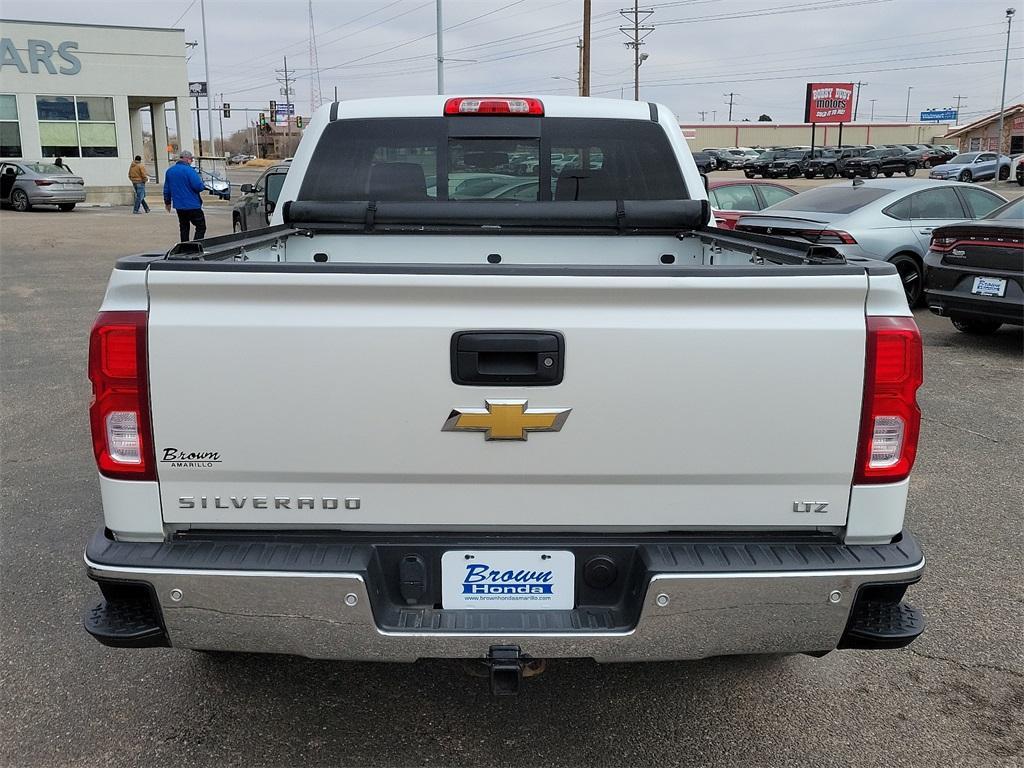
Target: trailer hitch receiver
point(506, 666)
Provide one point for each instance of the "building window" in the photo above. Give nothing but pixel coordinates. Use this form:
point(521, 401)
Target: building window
point(76, 126)
point(10, 133)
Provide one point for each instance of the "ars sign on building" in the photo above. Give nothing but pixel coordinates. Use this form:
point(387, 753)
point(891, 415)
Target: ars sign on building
point(829, 103)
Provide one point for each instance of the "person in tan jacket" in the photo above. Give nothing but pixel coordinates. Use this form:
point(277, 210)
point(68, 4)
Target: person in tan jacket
point(138, 176)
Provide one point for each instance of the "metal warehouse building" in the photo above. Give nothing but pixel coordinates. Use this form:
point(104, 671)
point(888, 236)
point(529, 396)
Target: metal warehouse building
point(799, 134)
point(87, 93)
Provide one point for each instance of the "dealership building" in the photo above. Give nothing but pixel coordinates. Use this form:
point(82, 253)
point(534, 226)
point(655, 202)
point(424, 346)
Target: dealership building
point(88, 94)
point(983, 134)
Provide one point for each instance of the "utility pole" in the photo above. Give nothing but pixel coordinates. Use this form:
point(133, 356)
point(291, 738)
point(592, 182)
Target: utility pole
point(286, 91)
point(579, 74)
point(956, 120)
point(856, 100)
point(906, 118)
point(220, 119)
point(585, 69)
point(209, 87)
point(873, 110)
point(335, 93)
point(702, 115)
point(731, 97)
point(637, 34)
point(714, 115)
point(440, 48)
point(1002, 99)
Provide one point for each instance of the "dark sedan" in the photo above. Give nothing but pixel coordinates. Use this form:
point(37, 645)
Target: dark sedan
point(974, 271)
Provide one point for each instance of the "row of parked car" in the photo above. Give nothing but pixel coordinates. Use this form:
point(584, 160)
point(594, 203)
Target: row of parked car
point(869, 161)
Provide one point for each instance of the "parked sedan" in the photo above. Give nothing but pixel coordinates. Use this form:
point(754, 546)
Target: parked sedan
point(974, 274)
point(972, 166)
point(24, 183)
point(876, 219)
point(732, 199)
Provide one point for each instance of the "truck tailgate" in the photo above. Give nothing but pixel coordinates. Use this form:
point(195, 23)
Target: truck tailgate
point(706, 400)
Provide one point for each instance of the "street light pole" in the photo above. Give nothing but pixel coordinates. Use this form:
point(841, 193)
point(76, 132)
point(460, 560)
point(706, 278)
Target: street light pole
point(906, 118)
point(209, 87)
point(1002, 99)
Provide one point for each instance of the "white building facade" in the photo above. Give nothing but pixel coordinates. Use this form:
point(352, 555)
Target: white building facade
point(88, 94)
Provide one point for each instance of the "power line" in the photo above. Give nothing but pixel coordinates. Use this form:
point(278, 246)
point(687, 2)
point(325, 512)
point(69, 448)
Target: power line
point(183, 13)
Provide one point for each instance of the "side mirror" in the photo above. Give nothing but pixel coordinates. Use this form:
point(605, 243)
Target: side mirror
point(245, 189)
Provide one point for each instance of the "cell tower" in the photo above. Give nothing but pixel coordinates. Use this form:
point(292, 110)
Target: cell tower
point(315, 95)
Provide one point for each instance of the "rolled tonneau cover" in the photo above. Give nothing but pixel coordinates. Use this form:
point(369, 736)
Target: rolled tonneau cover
point(611, 215)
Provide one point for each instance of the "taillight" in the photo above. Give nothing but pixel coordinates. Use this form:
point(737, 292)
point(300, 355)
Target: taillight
point(942, 244)
point(43, 182)
point(493, 105)
point(890, 418)
point(121, 433)
point(834, 237)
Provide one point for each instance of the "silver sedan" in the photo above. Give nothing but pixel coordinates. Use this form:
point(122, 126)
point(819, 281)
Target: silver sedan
point(885, 219)
point(24, 183)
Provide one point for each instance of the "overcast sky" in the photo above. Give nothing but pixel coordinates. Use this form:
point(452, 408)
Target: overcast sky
point(764, 51)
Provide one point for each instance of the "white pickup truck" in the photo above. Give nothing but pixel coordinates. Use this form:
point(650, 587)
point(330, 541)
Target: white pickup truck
point(440, 408)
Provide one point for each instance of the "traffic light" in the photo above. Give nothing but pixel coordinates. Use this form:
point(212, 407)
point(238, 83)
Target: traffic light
point(298, 121)
point(273, 107)
point(227, 109)
point(263, 119)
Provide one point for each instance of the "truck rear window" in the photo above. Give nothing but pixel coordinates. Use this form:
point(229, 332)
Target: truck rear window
point(488, 158)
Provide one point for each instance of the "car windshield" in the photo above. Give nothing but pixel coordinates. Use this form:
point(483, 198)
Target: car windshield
point(1009, 212)
point(844, 199)
point(875, 153)
point(961, 159)
point(46, 168)
point(767, 155)
point(792, 154)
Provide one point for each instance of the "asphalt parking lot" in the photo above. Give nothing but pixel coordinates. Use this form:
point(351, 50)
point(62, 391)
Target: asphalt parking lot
point(955, 697)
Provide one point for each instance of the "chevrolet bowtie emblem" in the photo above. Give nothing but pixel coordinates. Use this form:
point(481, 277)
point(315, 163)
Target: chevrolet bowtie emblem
point(506, 420)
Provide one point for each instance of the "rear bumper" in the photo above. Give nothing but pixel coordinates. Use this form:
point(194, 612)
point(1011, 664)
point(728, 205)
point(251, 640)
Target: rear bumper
point(678, 598)
point(42, 196)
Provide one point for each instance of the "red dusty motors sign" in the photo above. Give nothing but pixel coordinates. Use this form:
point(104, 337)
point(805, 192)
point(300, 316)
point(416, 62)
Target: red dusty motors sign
point(829, 103)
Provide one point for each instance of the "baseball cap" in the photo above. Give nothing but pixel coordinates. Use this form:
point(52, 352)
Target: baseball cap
point(185, 153)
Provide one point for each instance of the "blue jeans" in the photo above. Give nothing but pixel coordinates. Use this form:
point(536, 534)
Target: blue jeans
point(140, 196)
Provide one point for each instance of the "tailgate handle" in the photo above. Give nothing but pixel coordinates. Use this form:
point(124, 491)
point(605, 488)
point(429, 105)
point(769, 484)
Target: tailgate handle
point(516, 358)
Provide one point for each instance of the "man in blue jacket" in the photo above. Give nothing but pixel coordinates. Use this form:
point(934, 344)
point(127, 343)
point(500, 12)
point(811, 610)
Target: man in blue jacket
point(182, 185)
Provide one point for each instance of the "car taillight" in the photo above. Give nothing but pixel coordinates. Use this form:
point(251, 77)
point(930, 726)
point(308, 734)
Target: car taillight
point(493, 105)
point(890, 418)
point(833, 237)
point(942, 244)
point(43, 182)
point(119, 415)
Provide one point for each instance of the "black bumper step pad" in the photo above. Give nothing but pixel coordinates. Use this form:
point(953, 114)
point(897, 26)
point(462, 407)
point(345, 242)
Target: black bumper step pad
point(877, 624)
point(126, 622)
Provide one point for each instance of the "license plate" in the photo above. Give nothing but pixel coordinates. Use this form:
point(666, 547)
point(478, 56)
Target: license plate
point(507, 580)
point(989, 286)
